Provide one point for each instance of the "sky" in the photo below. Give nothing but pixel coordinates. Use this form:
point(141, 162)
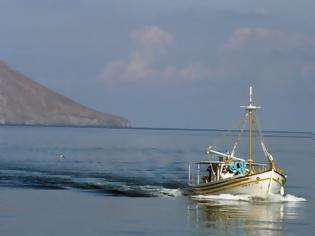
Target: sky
point(172, 64)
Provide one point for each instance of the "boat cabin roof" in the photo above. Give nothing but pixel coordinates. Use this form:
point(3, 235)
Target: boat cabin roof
point(222, 162)
point(209, 162)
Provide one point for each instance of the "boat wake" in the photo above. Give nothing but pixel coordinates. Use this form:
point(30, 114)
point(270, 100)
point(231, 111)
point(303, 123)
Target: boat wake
point(271, 198)
point(107, 184)
point(285, 198)
point(162, 192)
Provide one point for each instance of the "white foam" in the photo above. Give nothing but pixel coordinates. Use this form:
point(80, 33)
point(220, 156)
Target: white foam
point(271, 198)
point(160, 191)
point(170, 192)
point(285, 198)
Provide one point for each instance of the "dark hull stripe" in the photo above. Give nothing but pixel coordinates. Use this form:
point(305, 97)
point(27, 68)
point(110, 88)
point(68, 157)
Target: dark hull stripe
point(229, 183)
point(218, 189)
point(221, 184)
point(235, 178)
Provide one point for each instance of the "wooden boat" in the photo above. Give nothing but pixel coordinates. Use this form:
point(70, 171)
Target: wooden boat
point(228, 174)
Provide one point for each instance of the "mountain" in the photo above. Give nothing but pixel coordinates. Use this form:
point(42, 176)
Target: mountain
point(26, 102)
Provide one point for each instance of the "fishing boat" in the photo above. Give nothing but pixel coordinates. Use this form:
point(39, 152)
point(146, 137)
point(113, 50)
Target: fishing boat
point(224, 173)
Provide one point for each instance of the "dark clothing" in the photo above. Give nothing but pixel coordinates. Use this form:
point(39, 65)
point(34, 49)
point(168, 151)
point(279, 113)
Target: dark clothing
point(209, 169)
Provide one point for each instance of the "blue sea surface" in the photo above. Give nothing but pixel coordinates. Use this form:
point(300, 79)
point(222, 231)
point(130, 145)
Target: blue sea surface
point(99, 181)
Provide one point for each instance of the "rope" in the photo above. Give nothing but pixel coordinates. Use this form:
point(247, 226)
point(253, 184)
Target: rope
point(261, 138)
point(239, 136)
point(220, 140)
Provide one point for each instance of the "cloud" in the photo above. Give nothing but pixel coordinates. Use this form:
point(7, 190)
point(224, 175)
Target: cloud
point(152, 36)
point(261, 37)
point(144, 62)
point(268, 54)
point(248, 53)
point(196, 71)
point(149, 45)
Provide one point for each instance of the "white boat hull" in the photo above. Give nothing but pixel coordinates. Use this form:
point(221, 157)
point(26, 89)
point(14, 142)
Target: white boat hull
point(257, 185)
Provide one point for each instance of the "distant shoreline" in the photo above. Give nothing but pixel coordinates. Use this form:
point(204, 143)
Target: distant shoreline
point(305, 134)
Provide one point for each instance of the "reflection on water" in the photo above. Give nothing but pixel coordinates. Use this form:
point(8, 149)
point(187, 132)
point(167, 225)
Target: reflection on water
point(226, 217)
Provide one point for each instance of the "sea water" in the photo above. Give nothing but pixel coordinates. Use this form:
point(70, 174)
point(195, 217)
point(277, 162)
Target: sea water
point(97, 181)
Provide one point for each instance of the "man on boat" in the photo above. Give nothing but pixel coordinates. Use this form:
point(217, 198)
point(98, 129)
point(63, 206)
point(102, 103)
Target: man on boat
point(209, 169)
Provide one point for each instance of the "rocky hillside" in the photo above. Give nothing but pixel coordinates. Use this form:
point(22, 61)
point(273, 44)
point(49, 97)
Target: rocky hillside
point(26, 102)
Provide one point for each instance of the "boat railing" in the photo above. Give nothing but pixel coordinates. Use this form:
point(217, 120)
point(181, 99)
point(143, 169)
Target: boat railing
point(194, 174)
point(258, 167)
point(197, 173)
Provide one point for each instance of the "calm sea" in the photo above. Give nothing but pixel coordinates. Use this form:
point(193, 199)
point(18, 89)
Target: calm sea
point(94, 181)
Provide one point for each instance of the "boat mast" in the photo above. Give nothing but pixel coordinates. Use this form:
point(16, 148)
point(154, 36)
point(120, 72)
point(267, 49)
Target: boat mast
point(250, 108)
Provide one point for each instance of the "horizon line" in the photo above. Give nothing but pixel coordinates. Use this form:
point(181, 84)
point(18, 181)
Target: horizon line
point(154, 128)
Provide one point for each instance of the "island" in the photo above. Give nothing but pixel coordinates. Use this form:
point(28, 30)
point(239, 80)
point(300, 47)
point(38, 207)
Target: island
point(26, 102)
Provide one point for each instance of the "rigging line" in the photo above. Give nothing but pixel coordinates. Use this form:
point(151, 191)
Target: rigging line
point(238, 126)
point(256, 126)
point(261, 137)
point(222, 137)
point(239, 136)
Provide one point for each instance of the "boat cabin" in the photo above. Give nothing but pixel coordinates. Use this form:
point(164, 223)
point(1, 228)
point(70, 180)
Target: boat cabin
point(212, 171)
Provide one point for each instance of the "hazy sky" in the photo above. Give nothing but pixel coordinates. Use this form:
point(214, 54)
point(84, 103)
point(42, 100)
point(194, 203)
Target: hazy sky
point(179, 63)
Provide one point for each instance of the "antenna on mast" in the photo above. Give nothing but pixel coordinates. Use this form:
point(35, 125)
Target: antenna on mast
point(250, 108)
